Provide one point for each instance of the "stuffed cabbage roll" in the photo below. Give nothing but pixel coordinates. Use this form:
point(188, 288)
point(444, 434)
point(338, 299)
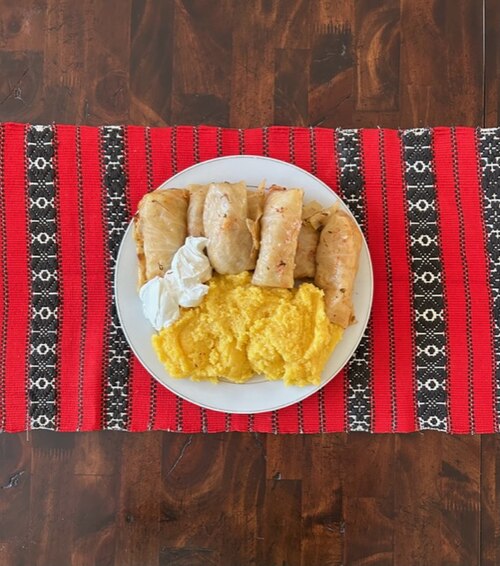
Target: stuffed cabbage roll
point(255, 210)
point(231, 248)
point(197, 195)
point(319, 218)
point(280, 228)
point(305, 258)
point(159, 230)
point(337, 262)
point(256, 200)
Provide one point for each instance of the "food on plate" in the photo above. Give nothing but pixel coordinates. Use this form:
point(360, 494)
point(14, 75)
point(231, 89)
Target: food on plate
point(233, 324)
point(181, 286)
point(305, 258)
point(240, 329)
point(319, 218)
point(159, 231)
point(255, 201)
point(231, 246)
point(337, 261)
point(280, 226)
point(197, 195)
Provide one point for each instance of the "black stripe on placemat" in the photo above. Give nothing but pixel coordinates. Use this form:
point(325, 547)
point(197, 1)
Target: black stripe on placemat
point(44, 277)
point(358, 373)
point(489, 150)
point(426, 265)
point(117, 369)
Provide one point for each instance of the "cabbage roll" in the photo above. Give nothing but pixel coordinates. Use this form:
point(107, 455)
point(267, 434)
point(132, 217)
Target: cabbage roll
point(255, 210)
point(256, 202)
point(305, 258)
point(159, 230)
point(231, 247)
point(280, 228)
point(337, 262)
point(319, 219)
point(197, 194)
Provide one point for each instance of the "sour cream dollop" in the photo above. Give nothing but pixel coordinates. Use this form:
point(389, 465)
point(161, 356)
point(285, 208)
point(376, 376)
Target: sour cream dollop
point(181, 286)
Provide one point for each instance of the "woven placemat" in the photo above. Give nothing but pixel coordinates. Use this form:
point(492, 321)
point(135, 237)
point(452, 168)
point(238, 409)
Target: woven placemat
point(428, 201)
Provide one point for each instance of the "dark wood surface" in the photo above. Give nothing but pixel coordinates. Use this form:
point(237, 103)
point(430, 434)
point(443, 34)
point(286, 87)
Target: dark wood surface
point(249, 499)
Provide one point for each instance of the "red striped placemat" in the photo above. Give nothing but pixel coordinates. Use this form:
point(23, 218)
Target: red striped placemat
point(428, 201)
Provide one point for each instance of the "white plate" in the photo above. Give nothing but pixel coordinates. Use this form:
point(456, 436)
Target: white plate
point(257, 395)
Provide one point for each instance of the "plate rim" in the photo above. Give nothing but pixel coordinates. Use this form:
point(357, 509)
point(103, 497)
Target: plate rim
point(308, 390)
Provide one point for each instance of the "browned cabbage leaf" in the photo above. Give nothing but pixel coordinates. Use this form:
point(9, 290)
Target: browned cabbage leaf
point(280, 228)
point(226, 224)
point(337, 262)
point(197, 195)
point(305, 258)
point(159, 230)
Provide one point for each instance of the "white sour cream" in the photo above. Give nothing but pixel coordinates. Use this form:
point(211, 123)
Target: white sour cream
point(181, 286)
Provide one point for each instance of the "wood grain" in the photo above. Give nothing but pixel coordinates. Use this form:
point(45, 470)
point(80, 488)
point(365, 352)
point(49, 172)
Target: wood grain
point(490, 501)
point(368, 493)
point(323, 514)
point(291, 101)
point(252, 70)
point(150, 66)
point(20, 23)
point(459, 499)
point(249, 499)
point(280, 540)
point(21, 85)
point(492, 64)
point(417, 498)
point(138, 521)
point(202, 62)
point(15, 484)
point(378, 43)
point(441, 62)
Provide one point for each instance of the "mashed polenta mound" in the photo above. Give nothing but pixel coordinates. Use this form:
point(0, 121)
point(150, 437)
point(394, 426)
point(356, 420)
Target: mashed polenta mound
point(240, 330)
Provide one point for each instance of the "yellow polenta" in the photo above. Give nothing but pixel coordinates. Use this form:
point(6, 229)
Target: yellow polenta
point(240, 330)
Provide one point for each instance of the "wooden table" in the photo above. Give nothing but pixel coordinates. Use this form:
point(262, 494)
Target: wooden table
point(240, 499)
